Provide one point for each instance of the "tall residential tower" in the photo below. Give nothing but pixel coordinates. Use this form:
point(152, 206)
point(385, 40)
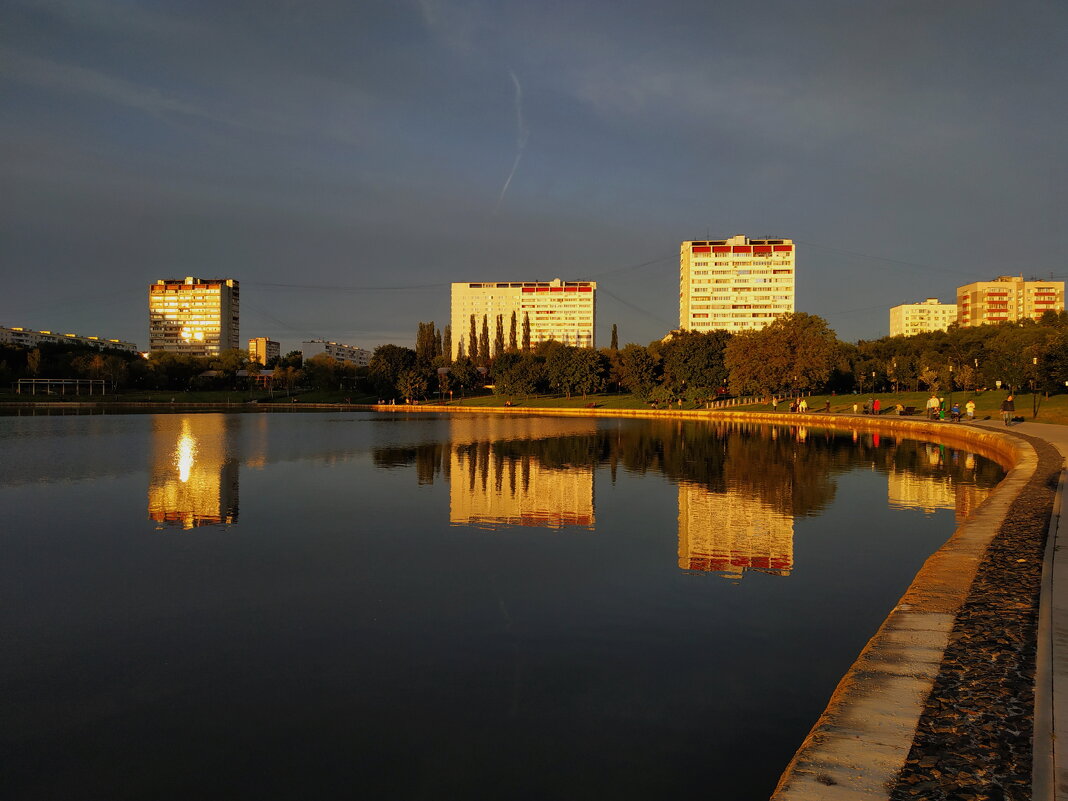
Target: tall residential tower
point(197, 316)
point(736, 284)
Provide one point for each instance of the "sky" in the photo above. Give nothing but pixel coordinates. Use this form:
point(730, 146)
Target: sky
point(346, 161)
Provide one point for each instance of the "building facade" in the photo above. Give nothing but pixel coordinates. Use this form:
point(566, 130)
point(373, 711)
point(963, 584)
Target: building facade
point(262, 349)
point(28, 338)
point(917, 318)
point(343, 353)
point(561, 310)
point(199, 317)
point(735, 284)
point(1008, 298)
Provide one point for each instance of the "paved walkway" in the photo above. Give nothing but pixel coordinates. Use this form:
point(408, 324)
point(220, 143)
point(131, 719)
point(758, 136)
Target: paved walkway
point(1051, 668)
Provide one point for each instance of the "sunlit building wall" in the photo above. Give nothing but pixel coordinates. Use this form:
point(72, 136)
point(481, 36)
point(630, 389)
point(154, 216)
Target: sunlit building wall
point(193, 478)
point(491, 491)
point(1008, 298)
point(493, 428)
point(735, 284)
point(196, 316)
point(335, 350)
point(262, 349)
point(731, 534)
point(910, 319)
point(557, 309)
point(28, 338)
point(927, 493)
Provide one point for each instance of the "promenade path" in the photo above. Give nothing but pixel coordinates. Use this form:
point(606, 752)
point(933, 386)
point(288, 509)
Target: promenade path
point(1051, 670)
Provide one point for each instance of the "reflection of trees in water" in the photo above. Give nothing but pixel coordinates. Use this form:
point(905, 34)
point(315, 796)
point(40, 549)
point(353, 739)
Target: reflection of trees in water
point(791, 470)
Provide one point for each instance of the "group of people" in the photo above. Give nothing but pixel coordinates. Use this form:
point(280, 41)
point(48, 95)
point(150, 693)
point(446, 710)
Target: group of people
point(936, 409)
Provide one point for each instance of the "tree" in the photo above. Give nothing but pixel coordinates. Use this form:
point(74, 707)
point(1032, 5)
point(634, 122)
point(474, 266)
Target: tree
point(513, 342)
point(33, 361)
point(693, 363)
point(574, 370)
point(483, 343)
point(387, 363)
point(498, 337)
point(464, 375)
point(412, 384)
point(796, 352)
point(446, 344)
point(472, 342)
point(526, 332)
point(637, 370)
point(615, 338)
point(426, 343)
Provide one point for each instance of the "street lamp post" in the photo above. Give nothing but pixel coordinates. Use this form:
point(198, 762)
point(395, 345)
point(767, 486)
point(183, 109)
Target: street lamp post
point(950, 386)
point(1034, 397)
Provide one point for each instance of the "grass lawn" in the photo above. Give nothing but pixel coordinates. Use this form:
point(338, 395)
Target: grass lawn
point(987, 404)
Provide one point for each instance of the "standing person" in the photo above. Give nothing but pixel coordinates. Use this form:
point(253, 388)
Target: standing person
point(1008, 409)
point(969, 409)
point(793, 405)
point(827, 406)
point(932, 407)
point(775, 403)
point(802, 406)
point(876, 404)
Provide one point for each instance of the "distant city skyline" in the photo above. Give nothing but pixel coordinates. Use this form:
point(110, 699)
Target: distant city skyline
point(347, 162)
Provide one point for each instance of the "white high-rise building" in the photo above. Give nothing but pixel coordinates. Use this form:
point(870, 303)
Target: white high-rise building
point(735, 284)
point(557, 309)
point(918, 318)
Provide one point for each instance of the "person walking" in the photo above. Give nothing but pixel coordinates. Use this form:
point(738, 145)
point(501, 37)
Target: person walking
point(969, 409)
point(1008, 410)
point(802, 406)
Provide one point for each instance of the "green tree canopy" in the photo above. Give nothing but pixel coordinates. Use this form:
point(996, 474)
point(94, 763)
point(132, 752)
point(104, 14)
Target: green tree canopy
point(796, 352)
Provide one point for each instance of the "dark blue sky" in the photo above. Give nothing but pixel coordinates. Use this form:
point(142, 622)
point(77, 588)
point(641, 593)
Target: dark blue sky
point(347, 160)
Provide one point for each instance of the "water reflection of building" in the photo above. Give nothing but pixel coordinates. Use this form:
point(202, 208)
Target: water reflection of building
point(928, 493)
point(732, 534)
point(489, 489)
point(193, 476)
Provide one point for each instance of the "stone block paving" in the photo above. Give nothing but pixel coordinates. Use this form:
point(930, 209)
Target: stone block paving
point(974, 738)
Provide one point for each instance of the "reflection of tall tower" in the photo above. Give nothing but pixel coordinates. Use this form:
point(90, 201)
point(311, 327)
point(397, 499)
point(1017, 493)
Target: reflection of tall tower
point(731, 533)
point(194, 473)
point(489, 489)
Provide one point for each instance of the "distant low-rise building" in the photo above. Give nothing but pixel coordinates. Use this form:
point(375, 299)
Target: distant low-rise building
point(1008, 298)
point(344, 353)
point(262, 349)
point(918, 318)
point(29, 338)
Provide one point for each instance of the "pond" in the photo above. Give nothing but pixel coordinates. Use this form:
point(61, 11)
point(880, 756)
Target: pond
point(428, 606)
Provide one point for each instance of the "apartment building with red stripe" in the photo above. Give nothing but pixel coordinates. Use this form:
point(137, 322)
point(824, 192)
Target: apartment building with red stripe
point(1008, 298)
point(735, 284)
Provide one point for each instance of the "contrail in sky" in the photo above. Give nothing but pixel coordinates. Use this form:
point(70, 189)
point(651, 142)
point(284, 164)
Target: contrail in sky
point(521, 136)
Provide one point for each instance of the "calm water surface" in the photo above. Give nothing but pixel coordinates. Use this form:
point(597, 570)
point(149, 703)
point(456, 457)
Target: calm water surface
point(419, 607)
